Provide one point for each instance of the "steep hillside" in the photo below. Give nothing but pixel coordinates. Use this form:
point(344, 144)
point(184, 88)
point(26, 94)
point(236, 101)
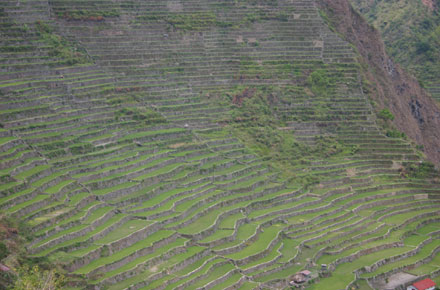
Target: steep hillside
point(411, 31)
point(416, 114)
point(205, 145)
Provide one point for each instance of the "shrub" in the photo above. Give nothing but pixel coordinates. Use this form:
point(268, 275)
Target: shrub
point(37, 279)
point(419, 170)
point(320, 83)
point(394, 133)
point(386, 115)
point(3, 251)
point(145, 115)
point(185, 22)
point(60, 47)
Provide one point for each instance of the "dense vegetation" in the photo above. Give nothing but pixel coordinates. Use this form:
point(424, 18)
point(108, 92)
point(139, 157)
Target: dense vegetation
point(411, 31)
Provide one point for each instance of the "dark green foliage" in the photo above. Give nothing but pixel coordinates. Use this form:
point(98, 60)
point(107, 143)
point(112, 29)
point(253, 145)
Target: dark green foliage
point(53, 145)
point(33, 278)
point(60, 47)
point(145, 115)
point(191, 21)
point(206, 20)
point(3, 251)
point(327, 146)
point(257, 123)
point(394, 133)
point(326, 19)
point(14, 234)
point(386, 115)
point(105, 252)
point(423, 47)
point(384, 121)
point(185, 22)
point(20, 48)
point(81, 148)
point(88, 14)
point(320, 83)
point(411, 32)
point(309, 180)
point(423, 169)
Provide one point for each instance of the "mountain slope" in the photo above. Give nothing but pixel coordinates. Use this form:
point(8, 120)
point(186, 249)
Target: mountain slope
point(203, 145)
point(411, 32)
point(416, 113)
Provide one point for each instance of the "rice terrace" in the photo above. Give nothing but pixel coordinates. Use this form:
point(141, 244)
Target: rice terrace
point(211, 144)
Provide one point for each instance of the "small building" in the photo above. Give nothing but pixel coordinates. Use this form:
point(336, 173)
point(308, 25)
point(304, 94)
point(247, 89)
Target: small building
point(306, 273)
point(425, 284)
point(299, 278)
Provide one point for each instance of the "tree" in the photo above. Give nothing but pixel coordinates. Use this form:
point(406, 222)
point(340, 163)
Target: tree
point(37, 279)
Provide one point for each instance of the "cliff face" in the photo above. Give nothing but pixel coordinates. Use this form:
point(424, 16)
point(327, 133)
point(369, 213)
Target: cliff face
point(416, 113)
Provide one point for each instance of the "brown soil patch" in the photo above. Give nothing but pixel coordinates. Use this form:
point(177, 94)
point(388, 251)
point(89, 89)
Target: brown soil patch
point(351, 172)
point(429, 3)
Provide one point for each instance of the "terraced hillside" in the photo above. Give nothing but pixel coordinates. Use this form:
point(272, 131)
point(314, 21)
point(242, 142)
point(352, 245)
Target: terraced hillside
point(129, 145)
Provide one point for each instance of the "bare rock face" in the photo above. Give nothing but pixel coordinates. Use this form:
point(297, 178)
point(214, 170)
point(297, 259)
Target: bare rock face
point(416, 113)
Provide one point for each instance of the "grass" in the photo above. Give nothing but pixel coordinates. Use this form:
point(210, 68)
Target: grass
point(218, 234)
point(25, 174)
point(160, 198)
point(244, 232)
point(245, 149)
point(288, 251)
point(203, 270)
point(343, 276)
point(136, 262)
point(271, 256)
point(396, 219)
point(100, 212)
point(363, 285)
point(248, 286)
point(125, 252)
point(22, 205)
point(287, 272)
point(123, 231)
point(140, 135)
point(284, 206)
point(228, 282)
point(424, 252)
point(264, 239)
point(114, 219)
point(58, 187)
point(427, 268)
point(203, 223)
point(114, 188)
point(12, 196)
point(193, 266)
point(230, 221)
point(429, 228)
point(175, 259)
point(217, 272)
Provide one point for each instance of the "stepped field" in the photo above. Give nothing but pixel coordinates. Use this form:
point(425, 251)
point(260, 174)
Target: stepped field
point(126, 144)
